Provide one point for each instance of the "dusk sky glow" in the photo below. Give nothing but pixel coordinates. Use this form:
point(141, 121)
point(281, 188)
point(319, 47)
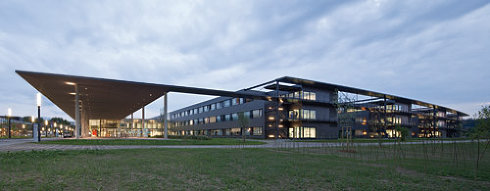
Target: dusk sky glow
point(434, 51)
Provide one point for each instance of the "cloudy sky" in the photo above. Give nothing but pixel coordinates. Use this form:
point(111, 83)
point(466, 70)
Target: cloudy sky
point(435, 51)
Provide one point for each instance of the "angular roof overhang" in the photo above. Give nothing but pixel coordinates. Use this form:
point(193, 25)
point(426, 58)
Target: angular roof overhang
point(316, 84)
point(108, 98)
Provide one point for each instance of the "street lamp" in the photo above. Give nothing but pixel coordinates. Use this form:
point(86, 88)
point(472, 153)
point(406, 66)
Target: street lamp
point(46, 127)
point(32, 123)
point(9, 114)
point(38, 96)
point(55, 132)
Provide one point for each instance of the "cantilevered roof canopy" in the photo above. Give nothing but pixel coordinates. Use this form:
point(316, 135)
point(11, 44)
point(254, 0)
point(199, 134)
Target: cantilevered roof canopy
point(311, 83)
point(107, 98)
point(115, 99)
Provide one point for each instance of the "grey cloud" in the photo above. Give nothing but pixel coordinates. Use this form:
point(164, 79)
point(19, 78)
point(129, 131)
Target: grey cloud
point(434, 51)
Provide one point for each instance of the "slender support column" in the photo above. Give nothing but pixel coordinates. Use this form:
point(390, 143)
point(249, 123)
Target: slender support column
point(165, 116)
point(77, 113)
point(99, 134)
point(132, 121)
point(277, 110)
point(434, 123)
point(143, 122)
point(384, 115)
point(38, 124)
point(10, 128)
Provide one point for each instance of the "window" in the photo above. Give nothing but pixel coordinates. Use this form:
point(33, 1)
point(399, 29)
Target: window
point(206, 108)
point(234, 116)
point(201, 120)
point(213, 106)
point(312, 114)
point(212, 119)
point(312, 96)
point(306, 95)
point(296, 94)
point(257, 113)
point(257, 131)
point(191, 122)
point(228, 132)
point(219, 105)
point(201, 109)
point(195, 111)
point(226, 103)
point(246, 114)
point(305, 114)
point(235, 131)
point(206, 120)
point(216, 132)
point(228, 117)
point(302, 132)
point(294, 114)
point(235, 101)
point(309, 132)
point(218, 118)
point(247, 131)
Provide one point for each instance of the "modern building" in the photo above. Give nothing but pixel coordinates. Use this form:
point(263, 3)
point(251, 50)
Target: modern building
point(286, 107)
point(299, 108)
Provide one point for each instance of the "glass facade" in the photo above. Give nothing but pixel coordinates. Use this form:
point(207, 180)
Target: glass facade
point(302, 132)
point(124, 128)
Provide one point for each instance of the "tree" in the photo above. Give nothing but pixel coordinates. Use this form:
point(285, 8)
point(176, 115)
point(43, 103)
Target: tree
point(402, 132)
point(482, 131)
point(243, 122)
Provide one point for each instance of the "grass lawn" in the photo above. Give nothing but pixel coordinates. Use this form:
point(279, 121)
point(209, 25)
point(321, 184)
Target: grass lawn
point(233, 169)
point(375, 140)
point(356, 140)
point(214, 141)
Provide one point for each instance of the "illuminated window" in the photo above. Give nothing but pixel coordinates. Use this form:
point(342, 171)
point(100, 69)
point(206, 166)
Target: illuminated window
point(302, 132)
point(305, 114)
point(235, 131)
point(212, 119)
point(257, 131)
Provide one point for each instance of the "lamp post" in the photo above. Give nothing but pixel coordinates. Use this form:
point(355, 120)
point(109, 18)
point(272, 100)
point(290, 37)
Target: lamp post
point(46, 127)
point(32, 122)
point(9, 114)
point(38, 117)
point(54, 130)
